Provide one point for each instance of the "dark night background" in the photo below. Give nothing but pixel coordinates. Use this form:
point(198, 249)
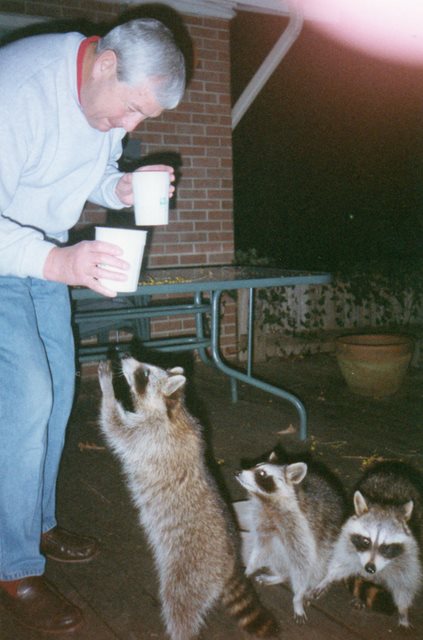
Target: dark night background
point(328, 160)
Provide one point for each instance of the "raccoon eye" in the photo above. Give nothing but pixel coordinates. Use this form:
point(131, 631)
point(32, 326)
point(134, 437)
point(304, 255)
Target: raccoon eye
point(360, 542)
point(391, 550)
point(262, 473)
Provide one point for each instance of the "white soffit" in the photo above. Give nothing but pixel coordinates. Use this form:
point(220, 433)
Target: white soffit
point(219, 8)
point(209, 8)
point(228, 8)
point(11, 21)
point(278, 7)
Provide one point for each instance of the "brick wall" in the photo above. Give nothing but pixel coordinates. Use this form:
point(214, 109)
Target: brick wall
point(200, 230)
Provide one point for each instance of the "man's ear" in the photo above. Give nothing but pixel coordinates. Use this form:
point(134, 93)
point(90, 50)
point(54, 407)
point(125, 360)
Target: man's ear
point(105, 64)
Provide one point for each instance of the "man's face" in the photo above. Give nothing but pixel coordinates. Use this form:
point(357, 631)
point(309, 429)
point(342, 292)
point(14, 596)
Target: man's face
point(108, 103)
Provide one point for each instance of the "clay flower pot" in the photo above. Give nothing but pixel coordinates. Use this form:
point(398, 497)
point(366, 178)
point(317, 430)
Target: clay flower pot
point(374, 364)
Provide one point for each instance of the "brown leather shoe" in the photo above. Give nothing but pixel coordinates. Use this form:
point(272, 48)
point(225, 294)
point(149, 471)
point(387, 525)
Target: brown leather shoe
point(38, 605)
point(64, 546)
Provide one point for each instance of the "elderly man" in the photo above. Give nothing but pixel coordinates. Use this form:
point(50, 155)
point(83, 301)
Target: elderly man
point(66, 103)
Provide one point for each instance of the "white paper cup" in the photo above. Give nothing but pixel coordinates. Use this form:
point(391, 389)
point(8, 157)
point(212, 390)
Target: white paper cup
point(132, 242)
point(151, 197)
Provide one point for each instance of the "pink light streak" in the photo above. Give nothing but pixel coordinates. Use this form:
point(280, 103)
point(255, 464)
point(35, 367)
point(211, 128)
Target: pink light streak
point(391, 29)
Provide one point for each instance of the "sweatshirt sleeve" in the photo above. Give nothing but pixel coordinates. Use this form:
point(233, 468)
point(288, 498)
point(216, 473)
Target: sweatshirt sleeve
point(23, 249)
point(105, 193)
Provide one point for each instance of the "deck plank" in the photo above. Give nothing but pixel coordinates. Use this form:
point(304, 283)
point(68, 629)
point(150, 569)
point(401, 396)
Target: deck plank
point(118, 590)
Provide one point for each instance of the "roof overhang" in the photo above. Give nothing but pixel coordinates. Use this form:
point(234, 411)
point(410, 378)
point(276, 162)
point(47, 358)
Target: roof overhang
point(228, 8)
point(211, 8)
point(220, 8)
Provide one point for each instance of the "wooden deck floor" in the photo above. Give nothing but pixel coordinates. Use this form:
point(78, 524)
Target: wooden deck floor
point(118, 590)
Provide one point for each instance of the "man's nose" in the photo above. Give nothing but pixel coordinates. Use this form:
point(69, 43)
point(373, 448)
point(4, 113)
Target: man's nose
point(132, 121)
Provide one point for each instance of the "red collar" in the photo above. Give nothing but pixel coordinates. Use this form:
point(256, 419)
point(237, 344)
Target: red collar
point(80, 59)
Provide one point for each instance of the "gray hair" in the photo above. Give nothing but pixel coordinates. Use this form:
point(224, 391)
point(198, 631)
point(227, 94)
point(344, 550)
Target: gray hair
point(146, 51)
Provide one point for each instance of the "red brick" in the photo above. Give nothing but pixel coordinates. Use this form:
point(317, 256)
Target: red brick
point(199, 259)
point(208, 226)
point(194, 215)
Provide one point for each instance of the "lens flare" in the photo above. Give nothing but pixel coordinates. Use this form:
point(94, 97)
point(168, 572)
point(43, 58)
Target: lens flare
point(390, 29)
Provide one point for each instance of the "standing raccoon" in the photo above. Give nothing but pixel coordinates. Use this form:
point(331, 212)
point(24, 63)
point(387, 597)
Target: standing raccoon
point(294, 516)
point(382, 541)
point(186, 522)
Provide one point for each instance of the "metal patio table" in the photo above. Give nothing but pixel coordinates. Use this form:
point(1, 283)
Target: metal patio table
point(95, 313)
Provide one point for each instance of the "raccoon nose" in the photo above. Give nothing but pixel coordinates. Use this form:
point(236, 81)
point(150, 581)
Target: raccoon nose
point(370, 567)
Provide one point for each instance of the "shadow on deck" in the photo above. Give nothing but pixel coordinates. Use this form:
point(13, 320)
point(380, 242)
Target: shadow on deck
point(118, 590)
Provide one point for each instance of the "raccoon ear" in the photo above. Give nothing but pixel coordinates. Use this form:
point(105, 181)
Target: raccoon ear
point(172, 384)
point(296, 472)
point(408, 509)
point(360, 504)
point(176, 370)
point(273, 458)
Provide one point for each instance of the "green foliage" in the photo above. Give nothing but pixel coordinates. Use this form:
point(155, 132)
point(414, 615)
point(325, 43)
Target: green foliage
point(392, 291)
point(377, 293)
point(250, 258)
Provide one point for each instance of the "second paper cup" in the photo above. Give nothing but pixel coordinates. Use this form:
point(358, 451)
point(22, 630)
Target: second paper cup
point(132, 243)
point(151, 197)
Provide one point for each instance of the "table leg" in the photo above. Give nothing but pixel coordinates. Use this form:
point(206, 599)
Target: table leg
point(250, 337)
point(199, 328)
point(248, 378)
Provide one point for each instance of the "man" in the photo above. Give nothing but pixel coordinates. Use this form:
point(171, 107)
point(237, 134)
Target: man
point(66, 103)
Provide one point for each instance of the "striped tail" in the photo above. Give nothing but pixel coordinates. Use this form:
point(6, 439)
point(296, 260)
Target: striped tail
point(242, 603)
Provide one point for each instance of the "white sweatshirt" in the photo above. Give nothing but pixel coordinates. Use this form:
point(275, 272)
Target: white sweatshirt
point(51, 160)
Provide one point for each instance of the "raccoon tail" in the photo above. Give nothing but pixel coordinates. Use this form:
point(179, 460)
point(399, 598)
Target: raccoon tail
point(242, 603)
point(372, 596)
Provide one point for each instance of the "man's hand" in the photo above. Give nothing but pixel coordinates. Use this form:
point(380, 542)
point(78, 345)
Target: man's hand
point(124, 186)
point(81, 264)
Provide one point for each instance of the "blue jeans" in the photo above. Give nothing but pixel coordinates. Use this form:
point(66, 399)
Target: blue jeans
point(37, 378)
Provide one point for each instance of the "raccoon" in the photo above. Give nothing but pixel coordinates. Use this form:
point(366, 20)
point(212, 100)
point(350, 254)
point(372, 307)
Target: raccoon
point(186, 521)
point(293, 517)
point(381, 542)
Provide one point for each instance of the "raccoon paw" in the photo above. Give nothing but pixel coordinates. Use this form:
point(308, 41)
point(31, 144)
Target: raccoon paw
point(300, 618)
point(105, 376)
point(268, 579)
point(358, 604)
point(404, 623)
point(368, 595)
point(316, 593)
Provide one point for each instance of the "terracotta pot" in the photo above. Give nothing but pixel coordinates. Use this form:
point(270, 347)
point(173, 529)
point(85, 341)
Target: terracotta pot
point(374, 364)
